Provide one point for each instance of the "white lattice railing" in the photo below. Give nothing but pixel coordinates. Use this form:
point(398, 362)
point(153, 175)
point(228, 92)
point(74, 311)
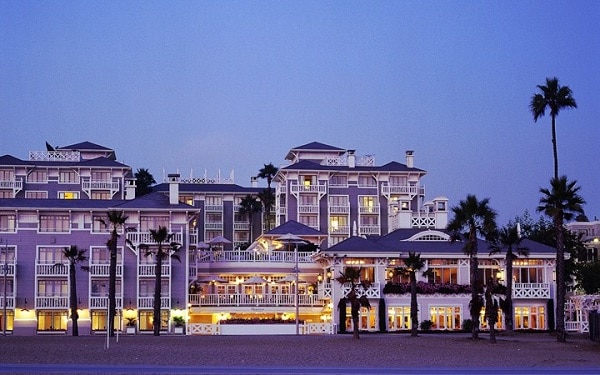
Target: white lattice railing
point(203, 329)
point(254, 300)
point(373, 291)
point(54, 155)
point(215, 329)
point(531, 290)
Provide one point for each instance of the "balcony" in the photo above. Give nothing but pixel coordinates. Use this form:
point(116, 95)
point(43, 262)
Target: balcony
point(340, 229)
point(337, 209)
point(52, 302)
point(407, 190)
point(148, 302)
point(52, 269)
point(10, 269)
point(213, 226)
point(150, 270)
point(369, 210)
point(240, 256)
point(137, 238)
point(373, 291)
point(308, 208)
point(103, 270)
point(102, 302)
point(213, 208)
point(254, 300)
point(238, 225)
point(16, 184)
point(10, 302)
point(369, 229)
point(531, 290)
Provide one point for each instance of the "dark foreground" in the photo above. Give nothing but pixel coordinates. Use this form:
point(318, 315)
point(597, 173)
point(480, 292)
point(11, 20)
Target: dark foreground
point(373, 353)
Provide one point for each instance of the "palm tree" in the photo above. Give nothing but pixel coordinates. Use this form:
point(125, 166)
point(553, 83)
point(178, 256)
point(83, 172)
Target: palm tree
point(561, 203)
point(144, 182)
point(412, 265)
point(164, 248)
point(268, 198)
point(555, 97)
point(473, 219)
point(249, 206)
point(74, 255)
point(510, 239)
point(116, 220)
point(268, 171)
point(491, 309)
point(352, 276)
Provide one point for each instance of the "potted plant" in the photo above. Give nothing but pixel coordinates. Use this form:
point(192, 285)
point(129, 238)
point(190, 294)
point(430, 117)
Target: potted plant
point(130, 325)
point(179, 324)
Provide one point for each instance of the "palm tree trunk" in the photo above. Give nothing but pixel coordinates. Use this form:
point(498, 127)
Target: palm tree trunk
point(73, 299)
point(474, 297)
point(560, 282)
point(554, 147)
point(157, 292)
point(112, 283)
point(355, 309)
point(508, 318)
point(413, 305)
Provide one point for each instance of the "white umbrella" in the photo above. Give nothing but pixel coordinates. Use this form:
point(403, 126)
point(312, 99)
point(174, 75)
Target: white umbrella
point(290, 238)
point(212, 279)
point(255, 280)
point(289, 279)
point(219, 240)
point(203, 245)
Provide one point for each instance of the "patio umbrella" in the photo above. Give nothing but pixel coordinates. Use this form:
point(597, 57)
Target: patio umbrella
point(290, 238)
point(255, 280)
point(219, 240)
point(203, 245)
point(289, 279)
point(212, 279)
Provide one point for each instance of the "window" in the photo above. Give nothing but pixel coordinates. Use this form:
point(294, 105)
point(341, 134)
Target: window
point(308, 180)
point(366, 181)
point(530, 317)
point(187, 199)
point(101, 195)
point(528, 271)
point(153, 222)
point(50, 255)
point(147, 288)
point(52, 320)
point(68, 195)
point(101, 176)
point(54, 223)
point(309, 220)
point(339, 224)
point(399, 318)
point(68, 177)
point(6, 194)
point(100, 288)
point(398, 181)
point(39, 176)
point(368, 201)
point(367, 319)
point(147, 319)
point(53, 288)
point(338, 181)
point(308, 200)
point(36, 194)
point(445, 317)
point(7, 175)
point(442, 271)
point(10, 318)
point(101, 255)
point(7, 223)
point(216, 200)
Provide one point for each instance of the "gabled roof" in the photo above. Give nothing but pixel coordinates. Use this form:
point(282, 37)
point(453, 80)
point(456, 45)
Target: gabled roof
point(209, 188)
point(314, 146)
point(154, 200)
point(58, 204)
point(9, 160)
point(296, 228)
point(389, 167)
point(85, 146)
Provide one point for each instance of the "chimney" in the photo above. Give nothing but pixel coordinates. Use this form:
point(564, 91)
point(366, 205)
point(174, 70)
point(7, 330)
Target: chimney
point(351, 159)
point(130, 185)
point(173, 188)
point(254, 181)
point(410, 159)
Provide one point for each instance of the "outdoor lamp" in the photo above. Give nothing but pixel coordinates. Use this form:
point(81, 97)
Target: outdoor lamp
point(329, 274)
point(320, 277)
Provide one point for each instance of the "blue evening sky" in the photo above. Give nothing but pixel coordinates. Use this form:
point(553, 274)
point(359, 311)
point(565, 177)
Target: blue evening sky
point(195, 85)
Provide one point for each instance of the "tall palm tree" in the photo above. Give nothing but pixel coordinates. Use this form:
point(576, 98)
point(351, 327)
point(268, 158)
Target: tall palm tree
point(116, 221)
point(555, 97)
point(412, 264)
point(491, 309)
point(352, 276)
point(509, 239)
point(268, 171)
point(74, 255)
point(561, 203)
point(249, 206)
point(144, 182)
point(473, 219)
point(162, 249)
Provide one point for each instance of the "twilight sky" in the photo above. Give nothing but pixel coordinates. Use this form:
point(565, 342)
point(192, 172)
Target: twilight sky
point(179, 85)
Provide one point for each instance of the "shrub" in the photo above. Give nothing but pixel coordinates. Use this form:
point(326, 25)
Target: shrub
point(467, 325)
point(426, 325)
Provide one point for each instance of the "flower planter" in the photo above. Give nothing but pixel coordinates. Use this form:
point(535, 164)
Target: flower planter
point(258, 329)
point(130, 330)
point(178, 330)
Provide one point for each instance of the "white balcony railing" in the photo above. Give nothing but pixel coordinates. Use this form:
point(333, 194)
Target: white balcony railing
point(340, 229)
point(52, 269)
point(213, 226)
point(150, 270)
point(52, 302)
point(102, 302)
point(241, 226)
point(254, 256)
point(88, 185)
point(148, 302)
point(308, 209)
point(369, 229)
point(104, 270)
point(10, 302)
point(531, 290)
point(317, 188)
point(213, 208)
point(369, 210)
point(137, 238)
point(15, 184)
point(344, 209)
point(254, 300)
